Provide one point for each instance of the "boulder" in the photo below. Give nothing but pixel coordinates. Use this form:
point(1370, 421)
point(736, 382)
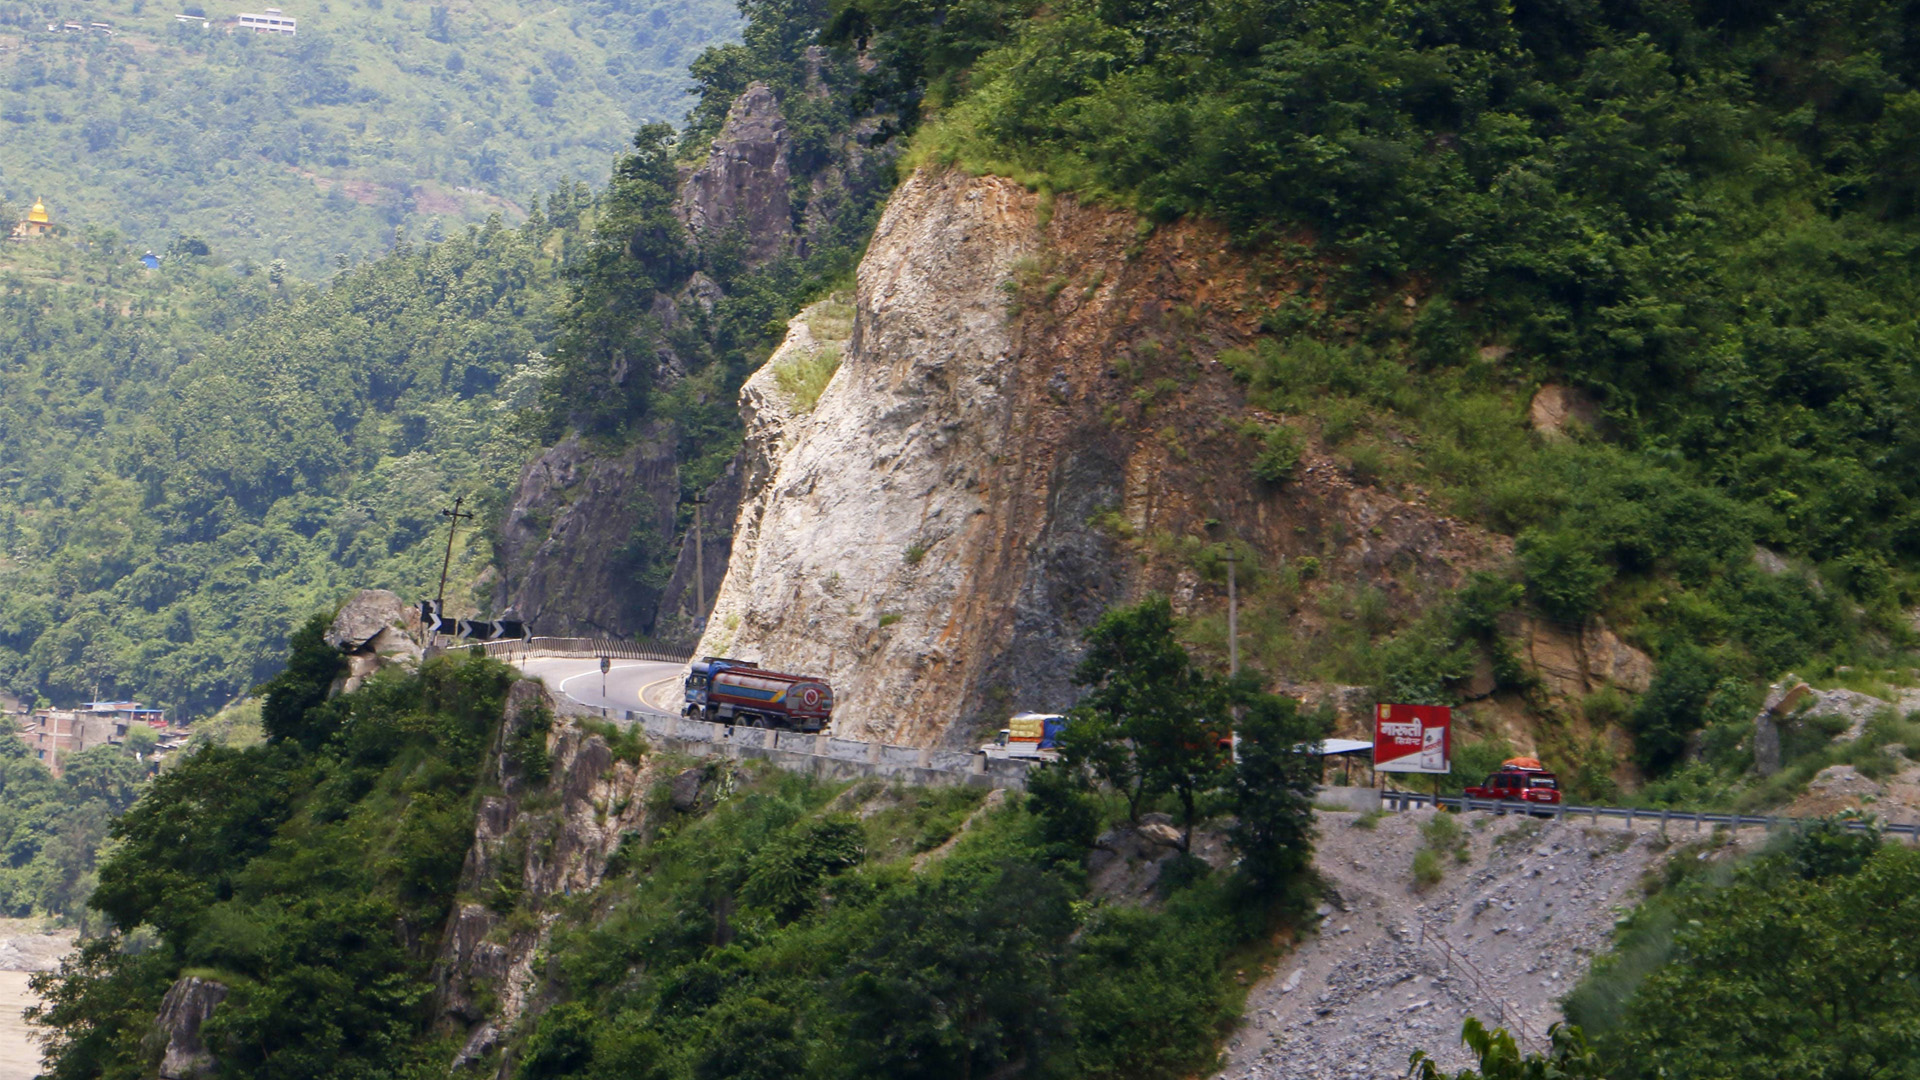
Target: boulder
point(686, 790)
point(372, 629)
point(366, 615)
point(1160, 833)
point(187, 1005)
point(1554, 408)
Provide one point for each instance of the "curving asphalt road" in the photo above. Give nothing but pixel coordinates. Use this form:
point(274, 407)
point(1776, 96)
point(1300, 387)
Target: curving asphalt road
point(649, 685)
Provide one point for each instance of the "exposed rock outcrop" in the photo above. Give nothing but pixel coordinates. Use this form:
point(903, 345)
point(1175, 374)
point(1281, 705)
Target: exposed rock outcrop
point(578, 527)
point(1022, 410)
point(188, 1003)
point(374, 629)
point(524, 856)
point(1556, 411)
point(1791, 702)
point(742, 189)
point(1571, 663)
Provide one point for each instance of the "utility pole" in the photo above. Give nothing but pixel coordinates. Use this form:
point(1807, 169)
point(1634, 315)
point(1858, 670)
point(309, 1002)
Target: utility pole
point(1233, 613)
point(453, 517)
point(699, 567)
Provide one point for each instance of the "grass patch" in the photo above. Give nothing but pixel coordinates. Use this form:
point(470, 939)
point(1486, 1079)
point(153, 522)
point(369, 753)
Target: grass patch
point(831, 319)
point(804, 378)
point(1440, 836)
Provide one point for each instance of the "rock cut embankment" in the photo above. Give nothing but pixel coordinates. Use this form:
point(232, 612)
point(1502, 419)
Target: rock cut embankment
point(1030, 409)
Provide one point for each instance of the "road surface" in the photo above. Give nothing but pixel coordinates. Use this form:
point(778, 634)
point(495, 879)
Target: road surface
point(634, 685)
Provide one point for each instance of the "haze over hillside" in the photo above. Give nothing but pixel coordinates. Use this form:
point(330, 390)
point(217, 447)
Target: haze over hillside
point(374, 115)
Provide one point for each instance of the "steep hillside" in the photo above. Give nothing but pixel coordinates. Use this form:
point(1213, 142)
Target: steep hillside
point(433, 872)
point(691, 278)
point(1029, 423)
point(196, 459)
point(375, 116)
point(1572, 314)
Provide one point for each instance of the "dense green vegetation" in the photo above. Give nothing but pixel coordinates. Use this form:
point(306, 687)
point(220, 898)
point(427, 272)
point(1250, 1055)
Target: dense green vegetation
point(375, 116)
point(1699, 215)
point(314, 881)
point(778, 926)
point(51, 829)
point(192, 460)
point(1794, 963)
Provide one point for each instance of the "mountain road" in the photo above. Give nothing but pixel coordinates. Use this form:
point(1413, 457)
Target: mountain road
point(638, 685)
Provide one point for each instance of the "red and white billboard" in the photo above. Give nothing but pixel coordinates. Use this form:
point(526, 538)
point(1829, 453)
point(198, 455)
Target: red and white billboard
point(1413, 738)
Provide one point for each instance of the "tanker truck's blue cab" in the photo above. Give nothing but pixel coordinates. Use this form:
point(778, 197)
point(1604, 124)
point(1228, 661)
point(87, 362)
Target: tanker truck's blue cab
point(700, 679)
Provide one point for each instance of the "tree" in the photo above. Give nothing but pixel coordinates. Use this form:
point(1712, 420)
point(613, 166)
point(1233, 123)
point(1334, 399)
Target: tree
point(1571, 1058)
point(605, 356)
point(1153, 722)
point(1804, 966)
point(295, 696)
point(1273, 784)
point(958, 978)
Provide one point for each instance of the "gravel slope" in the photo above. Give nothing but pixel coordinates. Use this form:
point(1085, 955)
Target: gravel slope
point(1506, 933)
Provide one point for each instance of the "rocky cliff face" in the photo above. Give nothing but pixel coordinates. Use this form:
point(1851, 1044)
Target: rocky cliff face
point(542, 837)
point(578, 526)
point(582, 525)
point(741, 193)
point(1028, 408)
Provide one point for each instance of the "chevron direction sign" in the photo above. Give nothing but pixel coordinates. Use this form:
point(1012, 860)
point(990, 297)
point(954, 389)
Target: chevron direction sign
point(495, 630)
point(430, 617)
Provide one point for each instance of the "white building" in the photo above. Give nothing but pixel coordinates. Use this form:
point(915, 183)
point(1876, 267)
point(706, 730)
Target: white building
point(273, 22)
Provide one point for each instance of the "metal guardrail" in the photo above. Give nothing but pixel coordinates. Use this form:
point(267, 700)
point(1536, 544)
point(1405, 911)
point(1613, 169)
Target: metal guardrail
point(1406, 800)
point(583, 647)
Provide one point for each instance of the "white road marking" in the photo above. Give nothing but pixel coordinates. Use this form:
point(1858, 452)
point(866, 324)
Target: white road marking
point(657, 682)
point(595, 671)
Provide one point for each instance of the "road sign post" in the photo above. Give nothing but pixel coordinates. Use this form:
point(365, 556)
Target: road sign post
point(606, 665)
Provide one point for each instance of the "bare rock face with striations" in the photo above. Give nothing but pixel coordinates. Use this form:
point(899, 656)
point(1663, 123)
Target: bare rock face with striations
point(1028, 406)
point(742, 188)
point(525, 853)
point(188, 1004)
point(578, 525)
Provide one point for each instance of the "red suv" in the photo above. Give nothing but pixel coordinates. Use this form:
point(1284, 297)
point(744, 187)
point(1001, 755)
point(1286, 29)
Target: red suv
point(1525, 785)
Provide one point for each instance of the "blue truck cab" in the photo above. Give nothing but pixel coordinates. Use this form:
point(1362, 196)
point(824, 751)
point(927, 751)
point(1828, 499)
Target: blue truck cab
point(700, 676)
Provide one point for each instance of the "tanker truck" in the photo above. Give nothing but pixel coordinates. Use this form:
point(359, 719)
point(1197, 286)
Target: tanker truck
point(723, 690)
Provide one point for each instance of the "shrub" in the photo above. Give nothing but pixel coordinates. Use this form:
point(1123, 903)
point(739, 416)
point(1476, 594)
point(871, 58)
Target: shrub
point(1563, 579)
point(1672, 708)
point(1428, 870)
point(1279, 456)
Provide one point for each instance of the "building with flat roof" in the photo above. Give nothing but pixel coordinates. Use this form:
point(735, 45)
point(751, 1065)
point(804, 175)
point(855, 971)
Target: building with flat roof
point(273, 22)
point(53, 735)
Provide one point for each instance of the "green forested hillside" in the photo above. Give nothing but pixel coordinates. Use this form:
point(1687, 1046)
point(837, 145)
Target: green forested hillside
point(773, 926)
point(193, 461)
point(375, 116)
